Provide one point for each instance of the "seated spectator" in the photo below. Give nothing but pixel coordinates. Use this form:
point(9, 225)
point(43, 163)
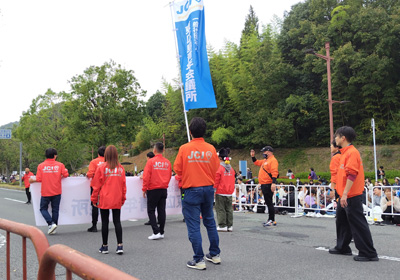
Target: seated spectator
point(290, 174)
point(312, 175)
point(302, 194)
point(390, 203)
point(377, 197)
point(242, 187)
point(381, 173)
point(239, 176)
point(298, 182)
point(385, 182)
point(396, 181)
point(310, 201)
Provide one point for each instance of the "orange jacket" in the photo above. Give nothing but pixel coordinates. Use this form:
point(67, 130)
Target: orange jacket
point(49, 173)
point(333, 166)
point(93, 166)
point(179, 179)
point(350, 164)
point(270, 165)
point(157, 173)
point(25, 178)
point(196, 163)
point(109, 187)
point(224, 181)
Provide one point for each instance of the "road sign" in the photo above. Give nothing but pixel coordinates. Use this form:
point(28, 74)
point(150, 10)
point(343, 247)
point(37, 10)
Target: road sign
point(5, 133)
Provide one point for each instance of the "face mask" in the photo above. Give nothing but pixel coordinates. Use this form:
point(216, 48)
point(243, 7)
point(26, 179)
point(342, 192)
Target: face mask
point(265, 155)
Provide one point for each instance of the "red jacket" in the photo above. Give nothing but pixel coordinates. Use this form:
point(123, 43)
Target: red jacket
point(157, 173)
point(93, 166)
point(350, 164)
point(49, 173)
point(271, 165)
point(224, 181)
point(179, 179)
point(25, 178)
point(196, 163)
point(333, 167)
point(109, 187)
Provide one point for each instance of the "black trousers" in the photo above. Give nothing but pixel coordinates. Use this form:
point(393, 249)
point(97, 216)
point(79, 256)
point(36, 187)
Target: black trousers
point(28, 194)
point(351, 223)
point(95, 211)
point(389, 218)
point(267, 193)
point(105, 213)
point(157, 199)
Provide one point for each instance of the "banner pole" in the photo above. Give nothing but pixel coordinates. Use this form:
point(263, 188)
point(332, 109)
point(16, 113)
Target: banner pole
point(179, 64)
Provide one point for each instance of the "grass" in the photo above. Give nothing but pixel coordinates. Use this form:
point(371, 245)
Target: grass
point(299, 160)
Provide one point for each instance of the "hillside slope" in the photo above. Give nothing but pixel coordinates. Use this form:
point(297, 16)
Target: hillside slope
point(298, 160)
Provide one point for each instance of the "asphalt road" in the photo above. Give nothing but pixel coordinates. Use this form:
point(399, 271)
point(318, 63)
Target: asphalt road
point(295, 249)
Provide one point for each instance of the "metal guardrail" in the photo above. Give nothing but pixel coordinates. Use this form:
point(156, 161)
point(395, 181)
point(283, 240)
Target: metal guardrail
point(37, 237)
point(74, 261)
point(78, 263)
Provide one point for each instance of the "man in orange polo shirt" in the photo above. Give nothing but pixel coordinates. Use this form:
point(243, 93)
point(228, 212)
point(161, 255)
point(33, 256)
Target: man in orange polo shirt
point(90, 174)
point(267, 178)
point(196, 164)
point(350, 220)
point(50, 173)
point(156, 176)
point(28, 174)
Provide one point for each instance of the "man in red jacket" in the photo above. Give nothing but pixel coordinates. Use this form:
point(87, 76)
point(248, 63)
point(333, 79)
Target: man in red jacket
point(28, 174)
point(267, 178)
point(156, 176)
point(50, 173)
point(196, 164)
point(90, 174)
point(350, 220)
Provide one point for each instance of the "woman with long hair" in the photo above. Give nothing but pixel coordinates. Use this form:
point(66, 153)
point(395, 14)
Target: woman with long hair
point(109, 192)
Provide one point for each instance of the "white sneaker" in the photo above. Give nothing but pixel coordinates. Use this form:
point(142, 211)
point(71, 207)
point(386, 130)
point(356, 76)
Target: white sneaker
point(155, 236)
point(161, 236)
point(52, 229)
point(230, 229)
point(224, 229)
point(318, 215)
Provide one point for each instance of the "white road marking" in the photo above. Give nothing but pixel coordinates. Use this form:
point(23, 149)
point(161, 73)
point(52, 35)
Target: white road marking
point(2, 240)
point(10, 190)
point(355, 253)
point(14, 200)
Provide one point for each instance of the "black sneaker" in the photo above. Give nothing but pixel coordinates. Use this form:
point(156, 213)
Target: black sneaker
point(147, 223)
point(200, 264)
point(103, 249)
point(365, 259)
point(92, 229)
point(120, 250)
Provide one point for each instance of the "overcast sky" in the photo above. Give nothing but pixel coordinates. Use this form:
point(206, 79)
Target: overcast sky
point(43, 44)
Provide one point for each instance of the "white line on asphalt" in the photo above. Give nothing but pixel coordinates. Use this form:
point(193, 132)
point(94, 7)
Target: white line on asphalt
point(14, 200)
point(2, 240)
point(10, 190)
point(355, 253)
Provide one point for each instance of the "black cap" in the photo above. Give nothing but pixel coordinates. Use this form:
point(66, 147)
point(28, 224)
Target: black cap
point(267, 148)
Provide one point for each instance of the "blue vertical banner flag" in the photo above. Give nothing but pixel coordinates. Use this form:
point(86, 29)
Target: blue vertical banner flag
point(195, 70)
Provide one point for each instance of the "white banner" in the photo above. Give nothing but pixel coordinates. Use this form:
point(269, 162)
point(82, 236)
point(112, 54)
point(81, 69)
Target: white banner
point(75, 205)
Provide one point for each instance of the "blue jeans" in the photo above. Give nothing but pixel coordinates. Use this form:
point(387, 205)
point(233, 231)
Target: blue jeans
point(199, 200)
point(55, 208)
point(315, 206)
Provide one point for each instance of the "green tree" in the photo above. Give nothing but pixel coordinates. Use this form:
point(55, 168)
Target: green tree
point(44, 126)
point(104, 106)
